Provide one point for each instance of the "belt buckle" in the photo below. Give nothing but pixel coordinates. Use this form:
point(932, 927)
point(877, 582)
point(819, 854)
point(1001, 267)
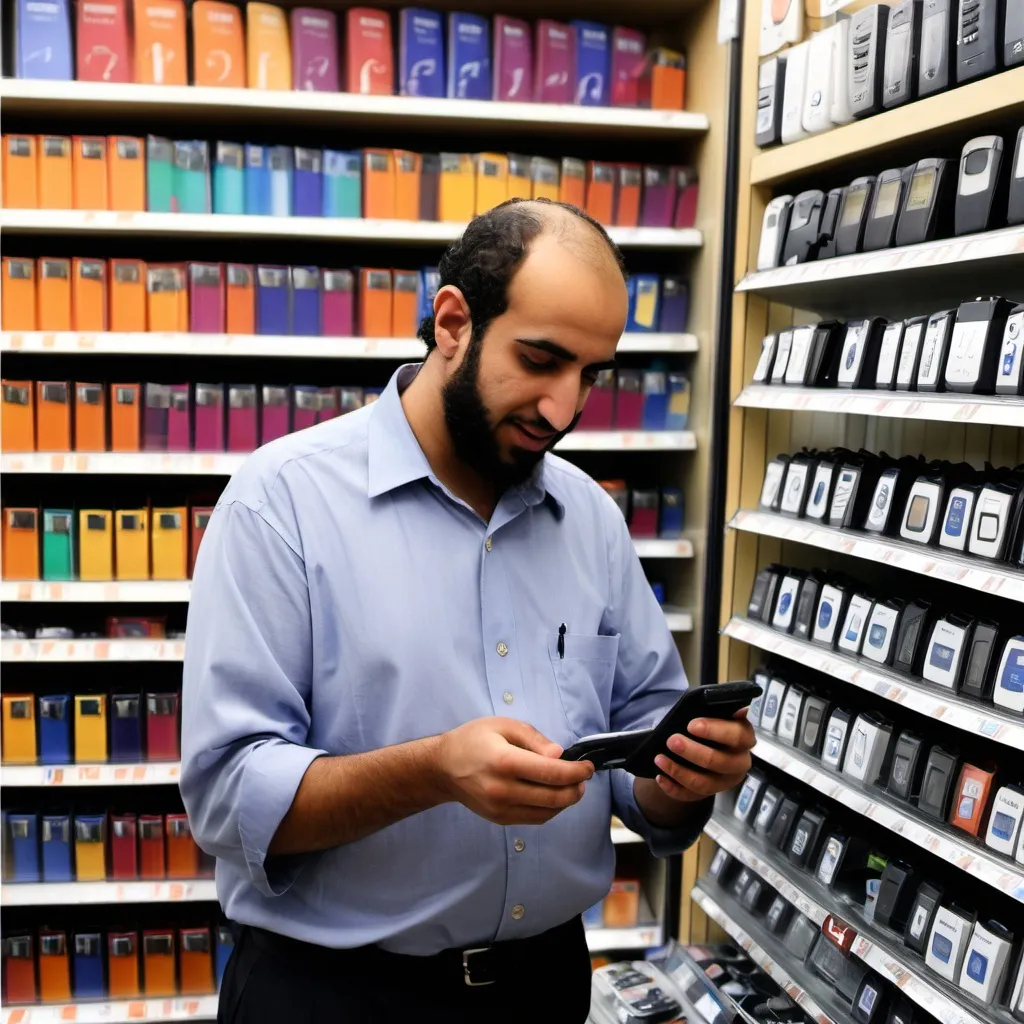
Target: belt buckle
point(467, 968)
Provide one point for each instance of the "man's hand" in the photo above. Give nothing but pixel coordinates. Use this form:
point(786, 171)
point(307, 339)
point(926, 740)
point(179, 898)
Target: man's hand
point(509, 773)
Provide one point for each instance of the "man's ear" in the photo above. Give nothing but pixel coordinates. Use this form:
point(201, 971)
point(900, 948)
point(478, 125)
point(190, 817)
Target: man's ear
point(453, 327)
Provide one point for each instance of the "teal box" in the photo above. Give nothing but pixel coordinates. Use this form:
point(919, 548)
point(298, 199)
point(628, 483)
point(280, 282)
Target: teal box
point(192, 177)
point(229, 178)
point(58, 544)
point(159, 175)
point(343, 184)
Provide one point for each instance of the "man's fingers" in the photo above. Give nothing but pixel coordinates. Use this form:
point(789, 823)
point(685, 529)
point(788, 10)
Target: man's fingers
point(737, 733)
point(555, 798)
point(524, 735)
point(732, 761)
point(697, 782)
point(548, 771)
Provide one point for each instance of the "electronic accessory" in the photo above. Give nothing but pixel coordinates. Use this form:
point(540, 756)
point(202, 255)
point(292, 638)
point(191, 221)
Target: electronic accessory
point(831, 613)
point(884, 209)
point(946, 659)
point(785, 605)
point(800, 352)
point(851, 636)
point(922, 515)
point(982, 189)
point(978, 39)
point(841, 112)
point(1004, 822)
point(921, 917)
point(986, 961)
point(928, 202)
point(976, 344)
point(793, 498)
point(935, 351)
point(793, 93)
point(1011, 356)
point(783, 348)
point(890, 497)
point(910, 353)
point(996, 519)
point(801, 937)
point(956, 522)
point(813, 721)
point(766, 361)
point(833, 964)
point(837, 736)
point(970, 800)
point(770, 803)
point(861, 346)
point(915, 629)
point(902, 46)
point(936, 794)
point(853, 212)
point(1013, 35)
point(979, 675)
point(763, 593)
point(819, 498)
point(855, 486)
point(871, 1003)
point(806, 839)
point(868, 29)
point(807, 607)
point(771, 489)
point(789, 718)
point(866, 752)
point(907, 766)
point(779, 915)
point(773, 233)
point(754, 711)
point(826, 349)
point(782, 827)
point(818, 92)
point(1015, 205)
point(771, 709)
point(880, 634)
point(771, 84)
point(1009, 688)
point(947, 946)
point(804, 232)
point(936, 68)
point(829, 221)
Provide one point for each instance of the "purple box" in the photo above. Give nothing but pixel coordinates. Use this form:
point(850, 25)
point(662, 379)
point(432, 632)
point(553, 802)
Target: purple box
point(179, 420)
point(307, 406)
point(314, 50)
point(513, 59)
point(209, 417)
point(555, 66)
point(628, 50)
point(329, 400)
point(599, 412)
point(241, 417)
point(206, 298)
point(659, 200)
point(156, 406)
point(593, 63)
point(629, 400)
point(276, 407)
point(306, 302)
point(675, 295)
point(337, 310)
point(421, 53)
point(469, 57)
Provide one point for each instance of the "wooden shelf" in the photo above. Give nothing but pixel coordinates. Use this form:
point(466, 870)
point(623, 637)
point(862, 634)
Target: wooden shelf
point(232, 226)
point(937, 563)
point(52, 894)
point(991, 410)
point(934, 118)
point(336, 109)
point(269, 346)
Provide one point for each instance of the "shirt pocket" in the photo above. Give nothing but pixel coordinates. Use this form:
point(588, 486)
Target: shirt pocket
point(584, 677)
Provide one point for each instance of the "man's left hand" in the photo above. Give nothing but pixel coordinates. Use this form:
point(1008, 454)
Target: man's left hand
point(722, 769)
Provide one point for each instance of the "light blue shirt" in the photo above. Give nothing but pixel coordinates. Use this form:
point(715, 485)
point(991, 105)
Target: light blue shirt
point(344, 600)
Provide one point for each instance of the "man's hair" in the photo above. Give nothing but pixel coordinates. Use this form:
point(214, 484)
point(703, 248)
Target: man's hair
point(482, 263)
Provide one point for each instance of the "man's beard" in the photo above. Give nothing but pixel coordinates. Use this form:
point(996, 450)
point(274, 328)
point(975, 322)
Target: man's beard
point(473, 436)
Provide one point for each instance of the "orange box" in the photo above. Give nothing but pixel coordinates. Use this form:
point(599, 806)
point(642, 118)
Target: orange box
point(627, 205)
point(240, 300)
point(405, 285)
point(18, 416)
point(88, 295)
point(375, 303)
point(543, 178)
point(519, 184)
point(408, 172)
point(21, 545)
point(123, 965)
point(573, 185)
point(379, 183)
point(160, 49)
point(131, 544)
point(182, 852)
point(53, 294)
point(167, 297)
point(158, 964)
point(55, 188)
point(169, 543)
point(491, 181)
point(970, 799)
point(600, 200)
point(457, 187)
point(622, 904)
point(21, 172)
point(54, 968)
point(53, 416)
point(268, 50)
point(126, 166)
point(125, 417)
point(662, 84)
point(218, 45)
point(18, 298)
point(127, 279)
point(196, 961)
point(90, 418)
point(89, 174)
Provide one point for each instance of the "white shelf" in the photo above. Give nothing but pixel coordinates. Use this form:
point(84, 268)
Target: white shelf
point(655, 548)
point(938, 563)
point(50, 651)
point(982, 720)
point(45, 894)
point(1005, 411)
point(677, 620)
point(268, 346)
point(622, 836)
point(707, 903)
point(125, 1011)
point(628, 441)
point(232, 226)
point(91, 593)
point(340, 108)
point(605, 940)
point(911, 279)
point(887, 961)
point(158, 773)
point(971, 858)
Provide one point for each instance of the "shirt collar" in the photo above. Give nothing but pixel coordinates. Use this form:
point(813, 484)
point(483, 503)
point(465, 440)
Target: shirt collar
point(395, 457)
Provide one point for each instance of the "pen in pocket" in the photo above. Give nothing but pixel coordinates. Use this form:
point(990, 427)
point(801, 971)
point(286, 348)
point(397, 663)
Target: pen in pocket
point(561, 640)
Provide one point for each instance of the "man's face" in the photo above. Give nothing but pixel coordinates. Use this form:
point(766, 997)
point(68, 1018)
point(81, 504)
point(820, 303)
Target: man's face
point(521, 388)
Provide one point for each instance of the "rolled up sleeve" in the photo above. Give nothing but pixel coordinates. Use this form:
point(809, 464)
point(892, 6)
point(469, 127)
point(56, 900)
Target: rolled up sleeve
point(649, 677)
point(246, 692)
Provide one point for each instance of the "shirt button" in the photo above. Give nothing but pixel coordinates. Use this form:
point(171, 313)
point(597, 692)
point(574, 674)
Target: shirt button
point(517, 912)
point(502, 648)
point(519, 845)
point(487, 543)
point(507, 697)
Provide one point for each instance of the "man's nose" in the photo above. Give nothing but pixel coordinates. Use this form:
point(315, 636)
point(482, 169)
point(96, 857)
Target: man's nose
point(559, 405)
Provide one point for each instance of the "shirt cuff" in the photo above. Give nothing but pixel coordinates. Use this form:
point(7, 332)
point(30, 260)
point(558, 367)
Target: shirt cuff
point(663, 842)
point(270, 778)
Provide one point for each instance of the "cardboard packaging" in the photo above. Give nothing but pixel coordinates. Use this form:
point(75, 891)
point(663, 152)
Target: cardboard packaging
point(572, 186)
point(95, 544)
point(54, 967)
point(161, 52)
point(314, 50)
point(275, 420)
point(18, 296)
point(308, 183)
point(192, 193)
point(369, 67)
point(257, 180)
point(42, 40)
point(469, 57)
point(627, 207)
point(56, 191)
point(687, 192)
point(163, 726)
point(125, 417)
point(20, 553)
point(53, 416)
point(622, 904)
point(337, 314)
point(91, 728)
point(53, 295)
point(555, 66)
point(58, 544)
point(21, 172)
point(103, 51)
point(122, 965)
point(273, 310)
point(124, 838)
point(457, 189)
point(513, 60)
point(305, 405)
point(90, 418)
point(600, 198)
point(169, 541)
point(229, 178)
point(200, 521)
point(167, 298)
point(131, 544)
point(20, 970)
point(662, 83)
point(152, 847)
point(519, 184)
point(628, 49)
point(421, 53)
point(593, 64)
point(18, 416)
point(240, 299)
point(88, 295)
point(159, 175)
point(659, 197)
point(159, 964)
point(242, 418)
point(209, 417)
point(408, 172)
point(206, 298)
point(544, 176)
point(268, 52)
point(430, 185)
point(89, 177)
point(375, 304)
point(126, 167)
point(196, 968)
point(342, 187)
point(91, 847)
point(218, 45)
point(305, 297)
point(19, 721)
point(405, 303)
point(491, 181)
point(379, 183)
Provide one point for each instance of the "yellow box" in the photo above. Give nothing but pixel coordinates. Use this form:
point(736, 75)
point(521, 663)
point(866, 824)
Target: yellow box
point(19, 728)
point(170, 543)
point(131, 544)
point(95, 544)
point(90, 851)
point(90, 727)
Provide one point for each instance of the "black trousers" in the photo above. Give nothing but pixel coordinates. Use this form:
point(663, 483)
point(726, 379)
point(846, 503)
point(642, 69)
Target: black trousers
point(271, 979)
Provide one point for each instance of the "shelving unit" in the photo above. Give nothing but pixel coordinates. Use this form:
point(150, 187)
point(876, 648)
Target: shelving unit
point(128, 1011)
point(606, 940)
point(55, 894)
point(153, 773)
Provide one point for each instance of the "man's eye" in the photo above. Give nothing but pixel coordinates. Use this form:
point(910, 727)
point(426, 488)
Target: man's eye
point(538, 365)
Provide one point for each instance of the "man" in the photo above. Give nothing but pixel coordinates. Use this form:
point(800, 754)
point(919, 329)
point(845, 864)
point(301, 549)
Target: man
point(399, 620)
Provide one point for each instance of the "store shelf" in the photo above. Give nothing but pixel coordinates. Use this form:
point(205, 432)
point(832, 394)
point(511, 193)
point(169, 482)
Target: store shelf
point(91, 593)
point(49, 651)
point(50, 894)
point(606, 940)
point(781, 975)
point(656, 548)
point(159, 773)
point(937, 563)
point(886, 958)
point(268, 346)
point(982, 720)
point(899, 282)
point(872, 802)
point(622, 836)
point(337, 109)
point(933, 119)
point(909, 405)
point(127, 1011)
point(231, 226)
point(678, 621)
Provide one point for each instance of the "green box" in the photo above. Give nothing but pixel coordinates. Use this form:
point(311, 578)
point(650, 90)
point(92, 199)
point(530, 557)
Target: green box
point(58, 544)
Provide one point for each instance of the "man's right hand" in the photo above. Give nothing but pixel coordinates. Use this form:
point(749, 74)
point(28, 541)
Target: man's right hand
point(507, 772)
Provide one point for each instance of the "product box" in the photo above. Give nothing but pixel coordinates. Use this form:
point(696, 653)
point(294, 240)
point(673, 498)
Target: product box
point(421, 53)
point(405, 303)
point(342, 188)
point(161, 52)
point(662, 84)
point(627, 204)
point(53, 294)
point(491, 180)
point(126, 170)
point(593, 63)
point(572, 187)
point(218, 45)
point(600, 197)
point(18, 302)
point(257, 180)
point(88, 294)
point(519, 184)
point(622, 904)
point(782, 22)
point(513, 59)
point(103, 49)
point(306, 303)
point(642, 290)
point(375, 304)
point(368, 65)
point(379, 183)
point(687, 192)
point(628, 49)
point(89, 178)
point(191, 177)
point(659, 197)
point(281, 174)
point(544, 178)
point(268, 53)
point(338, 308)
point(127, 281)
point(555, 64)
point(42, 40)
point(90, 418)
point(240, 299)
point(315, 50)
point(457, 191)
point(20, 172)
point(469, 57)
point(159, 174)
point(229, 178)
point(408, 185)
point(308, 183)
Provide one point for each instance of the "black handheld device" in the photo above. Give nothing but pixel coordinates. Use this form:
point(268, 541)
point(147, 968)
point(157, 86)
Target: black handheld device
point(635, 751)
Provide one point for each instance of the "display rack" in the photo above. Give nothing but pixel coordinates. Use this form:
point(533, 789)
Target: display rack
point(55, 894)
point(128, 1011)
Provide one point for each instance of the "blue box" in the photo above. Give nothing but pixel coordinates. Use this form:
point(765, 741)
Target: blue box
point(421, 53)
point(272, 300)
point(257, 180)
point(469, 57)
point(670, 518)
point(24, 847)
point(43, 41)
point(56, 847)
point(280, 160)
point(655, 388)
point(88, 971)
point(430, 281)
point(343, 184)
point(225, 944)
point(675, 294)
point(642, 290)
point(593, 63)
point(678, 402)
point(55, 729)
point(229, 178)
point(306, 303)
point(125, 728)
point(308, 185)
